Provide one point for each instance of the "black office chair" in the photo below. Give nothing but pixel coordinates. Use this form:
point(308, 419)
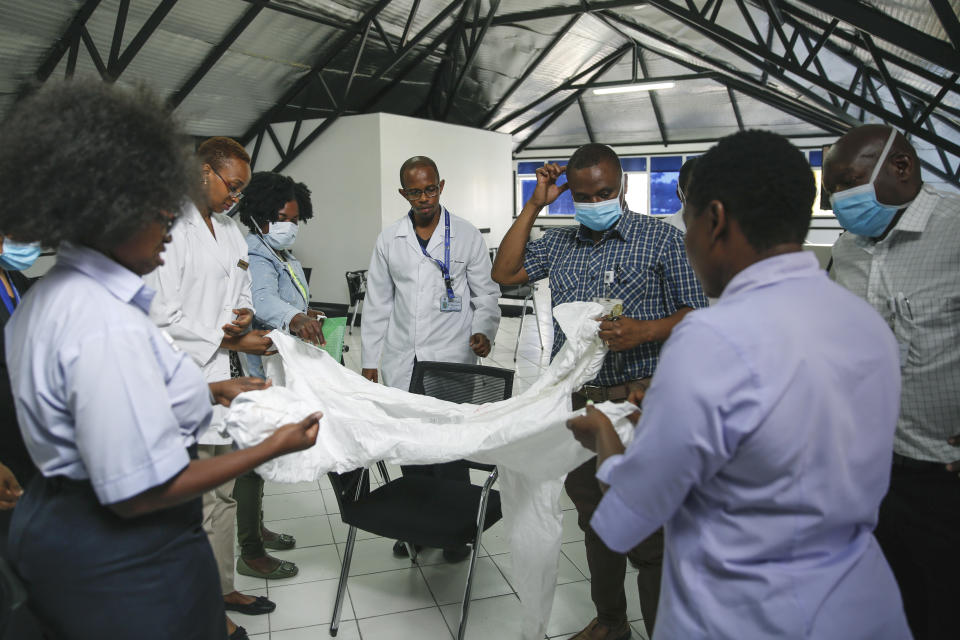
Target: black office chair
point(421, 510)
point(522, 292)
point(357, 286)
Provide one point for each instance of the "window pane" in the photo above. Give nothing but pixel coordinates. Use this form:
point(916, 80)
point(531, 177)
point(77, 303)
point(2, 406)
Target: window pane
point(633, 164)
point(663, 192)
point(666, 163)
point(637, 189)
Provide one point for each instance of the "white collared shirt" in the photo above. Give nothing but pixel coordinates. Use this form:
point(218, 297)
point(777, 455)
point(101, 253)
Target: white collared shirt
point(912, 278)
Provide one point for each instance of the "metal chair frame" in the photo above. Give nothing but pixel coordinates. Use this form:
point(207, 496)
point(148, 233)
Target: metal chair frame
point(356, 297)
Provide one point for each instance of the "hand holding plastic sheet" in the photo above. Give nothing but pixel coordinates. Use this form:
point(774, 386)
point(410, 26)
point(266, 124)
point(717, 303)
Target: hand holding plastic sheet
point(365, 422)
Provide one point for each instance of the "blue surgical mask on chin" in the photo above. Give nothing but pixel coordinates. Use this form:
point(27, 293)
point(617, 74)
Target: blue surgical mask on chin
point(17, 256)
point(598, 216)
point(858, 210)
point(281, 235)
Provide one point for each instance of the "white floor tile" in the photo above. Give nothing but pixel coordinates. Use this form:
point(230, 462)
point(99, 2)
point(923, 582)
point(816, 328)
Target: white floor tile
point(494, 540)
point(306, 604)
point(565, 502)
point(374, 555)
point(633, 597)
point(293, 505)
point(577, 554)
point(348, 631)
point(639, 631)
point(499, 618)
point(276, 488)
point(253, 624)
point(389, 592)
point(571, 530)
point(341, 529)
point(310, 531)
point(246, 584)
point(315, 563)
point(330, 501)
point(425, 624)
point(572, 609)
point(447, 581)
point(566, 570)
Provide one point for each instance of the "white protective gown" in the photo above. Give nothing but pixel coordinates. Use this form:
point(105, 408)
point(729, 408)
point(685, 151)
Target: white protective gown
point(203, 279)
point(401, 312)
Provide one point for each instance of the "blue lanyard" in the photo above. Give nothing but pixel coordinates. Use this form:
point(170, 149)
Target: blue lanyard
point(11, 304)
point(445, 265)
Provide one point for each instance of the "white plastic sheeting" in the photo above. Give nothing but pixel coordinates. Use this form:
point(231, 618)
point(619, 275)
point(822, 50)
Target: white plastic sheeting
point(525, 436)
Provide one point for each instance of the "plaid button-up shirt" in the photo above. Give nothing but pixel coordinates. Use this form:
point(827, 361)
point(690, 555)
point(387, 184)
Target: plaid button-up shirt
point(650, 274)
point(912, 278)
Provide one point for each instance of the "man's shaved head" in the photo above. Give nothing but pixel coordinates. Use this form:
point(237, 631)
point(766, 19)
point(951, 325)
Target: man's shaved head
point(851, 160)
point(418, 162)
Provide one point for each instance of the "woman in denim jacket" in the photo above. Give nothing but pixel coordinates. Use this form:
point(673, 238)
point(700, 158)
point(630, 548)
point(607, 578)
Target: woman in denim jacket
point(272, 208)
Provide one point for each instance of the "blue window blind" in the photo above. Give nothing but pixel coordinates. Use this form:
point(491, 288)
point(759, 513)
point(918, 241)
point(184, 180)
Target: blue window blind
point(666, 163)
point(816, 158)
point(524, 168)
point(663, 192)
point(633, 164)
point(526, 188)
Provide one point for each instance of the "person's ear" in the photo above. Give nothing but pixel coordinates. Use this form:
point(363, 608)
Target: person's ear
point(442, 182)
point(903, 165)
point(717, 220)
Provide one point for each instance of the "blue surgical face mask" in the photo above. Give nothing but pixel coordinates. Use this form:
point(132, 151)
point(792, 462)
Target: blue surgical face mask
point(16, 256)
point(858, 210)
point(599, 216)
point(281, 235)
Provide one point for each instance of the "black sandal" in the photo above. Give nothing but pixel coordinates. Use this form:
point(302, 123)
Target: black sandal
point(258, 607)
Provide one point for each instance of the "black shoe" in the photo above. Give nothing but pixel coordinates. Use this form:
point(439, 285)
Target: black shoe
point(258, 607)
point(239, 634)
point(457, 554)
point(400, 549)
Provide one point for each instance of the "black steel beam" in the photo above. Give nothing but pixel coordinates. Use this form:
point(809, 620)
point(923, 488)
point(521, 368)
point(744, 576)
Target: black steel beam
point(679, 77)
point(65, 41)
point(471, 56)
point(238, 27)
point(822, 40)
point(410, 17)
point(586, 119)
point(118, 28)
point(448, 64)
point(94, 54)
point(543, 126)
point(332, 51)
point(384, 36)
point(356, 64)
point(616, 55)
point(72, 57)
point(736, 108)
point(554, 12)
point(654, 100)
point(305, 15)
point(885, 74)
point(276, 142)
point(143, 34)
point(529, 70)
point(874, 21)
point(750, 52)
point(936, 100)
point(651, 143)
point(949, 20)
point(750, 23)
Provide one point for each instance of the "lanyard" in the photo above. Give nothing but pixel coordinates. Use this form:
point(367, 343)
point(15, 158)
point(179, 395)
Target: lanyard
point(10, 303)
point(296, 281)
point(445, 265)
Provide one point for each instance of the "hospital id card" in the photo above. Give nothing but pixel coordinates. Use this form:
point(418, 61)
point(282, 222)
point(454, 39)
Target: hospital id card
point(448, 304)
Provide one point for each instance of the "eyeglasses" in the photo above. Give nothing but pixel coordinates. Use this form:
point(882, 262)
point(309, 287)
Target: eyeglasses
point(412, 194)
point(233, 193)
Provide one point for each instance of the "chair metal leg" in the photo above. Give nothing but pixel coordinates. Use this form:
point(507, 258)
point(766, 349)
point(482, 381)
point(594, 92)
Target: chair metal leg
point(481, 518)
point(342, 585)
point(523, 314)
point(382, 467)
point(536, 317)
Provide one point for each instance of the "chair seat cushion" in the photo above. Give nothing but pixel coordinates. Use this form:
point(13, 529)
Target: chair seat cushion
point(426, 511)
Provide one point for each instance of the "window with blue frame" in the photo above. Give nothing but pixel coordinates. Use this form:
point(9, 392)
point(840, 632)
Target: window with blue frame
point(664, 173)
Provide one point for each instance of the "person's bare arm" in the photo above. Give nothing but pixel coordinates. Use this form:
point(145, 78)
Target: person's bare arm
point(508, 265)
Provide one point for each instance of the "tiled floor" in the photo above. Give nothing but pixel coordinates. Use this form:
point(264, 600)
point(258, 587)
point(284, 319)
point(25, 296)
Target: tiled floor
point(390, 599)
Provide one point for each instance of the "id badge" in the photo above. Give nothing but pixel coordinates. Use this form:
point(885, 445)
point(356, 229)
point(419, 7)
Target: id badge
point(448, 305)
point(612, 307)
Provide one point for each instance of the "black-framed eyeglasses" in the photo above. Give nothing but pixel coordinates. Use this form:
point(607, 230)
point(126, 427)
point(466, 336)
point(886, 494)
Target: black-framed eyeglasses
point(236, 194)
point(412, 194)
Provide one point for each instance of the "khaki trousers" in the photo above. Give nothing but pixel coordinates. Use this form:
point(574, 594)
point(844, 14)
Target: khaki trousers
point(219, 519)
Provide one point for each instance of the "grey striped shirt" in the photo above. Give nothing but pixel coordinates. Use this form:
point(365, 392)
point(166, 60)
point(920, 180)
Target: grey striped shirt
point(912, 278)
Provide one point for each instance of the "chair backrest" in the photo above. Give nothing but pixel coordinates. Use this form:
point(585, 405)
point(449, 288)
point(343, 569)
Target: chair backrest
point(516, 291)
point(356, 285)
point(457, 382)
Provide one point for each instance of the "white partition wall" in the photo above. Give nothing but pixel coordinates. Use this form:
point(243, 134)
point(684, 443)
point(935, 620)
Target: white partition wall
point(353, 172)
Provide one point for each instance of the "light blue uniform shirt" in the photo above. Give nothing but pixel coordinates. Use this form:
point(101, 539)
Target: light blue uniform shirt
point(765, 448)
point(276, 297)
point(100, 392)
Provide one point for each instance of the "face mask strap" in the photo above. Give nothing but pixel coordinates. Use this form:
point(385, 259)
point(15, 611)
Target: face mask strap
point(883, 155)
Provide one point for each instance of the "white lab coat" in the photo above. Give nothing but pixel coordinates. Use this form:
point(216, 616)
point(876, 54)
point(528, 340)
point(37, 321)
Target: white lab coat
point(202, 280)
point(401, 311)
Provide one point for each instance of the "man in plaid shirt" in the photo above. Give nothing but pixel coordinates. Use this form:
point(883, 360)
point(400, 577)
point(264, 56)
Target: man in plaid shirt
point(613, 253)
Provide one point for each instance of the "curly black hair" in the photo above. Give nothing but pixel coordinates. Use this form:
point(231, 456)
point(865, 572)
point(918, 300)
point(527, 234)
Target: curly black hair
point(764, 182)
point(89, 162)
point(265, 196)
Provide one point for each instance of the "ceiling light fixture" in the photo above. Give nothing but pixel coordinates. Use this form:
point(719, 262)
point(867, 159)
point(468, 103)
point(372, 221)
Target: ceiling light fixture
point(629, 88)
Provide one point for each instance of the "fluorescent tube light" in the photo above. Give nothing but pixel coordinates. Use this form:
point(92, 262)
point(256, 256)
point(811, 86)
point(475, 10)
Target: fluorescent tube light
point(628, 88)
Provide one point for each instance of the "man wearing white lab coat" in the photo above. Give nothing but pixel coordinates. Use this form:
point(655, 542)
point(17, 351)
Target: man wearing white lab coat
point(408, 311)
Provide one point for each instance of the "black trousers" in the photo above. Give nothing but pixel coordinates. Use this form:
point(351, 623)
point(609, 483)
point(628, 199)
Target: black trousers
point(919, 532)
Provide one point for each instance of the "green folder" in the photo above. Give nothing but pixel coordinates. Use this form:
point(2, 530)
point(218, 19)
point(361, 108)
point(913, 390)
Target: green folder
point(333, 329)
